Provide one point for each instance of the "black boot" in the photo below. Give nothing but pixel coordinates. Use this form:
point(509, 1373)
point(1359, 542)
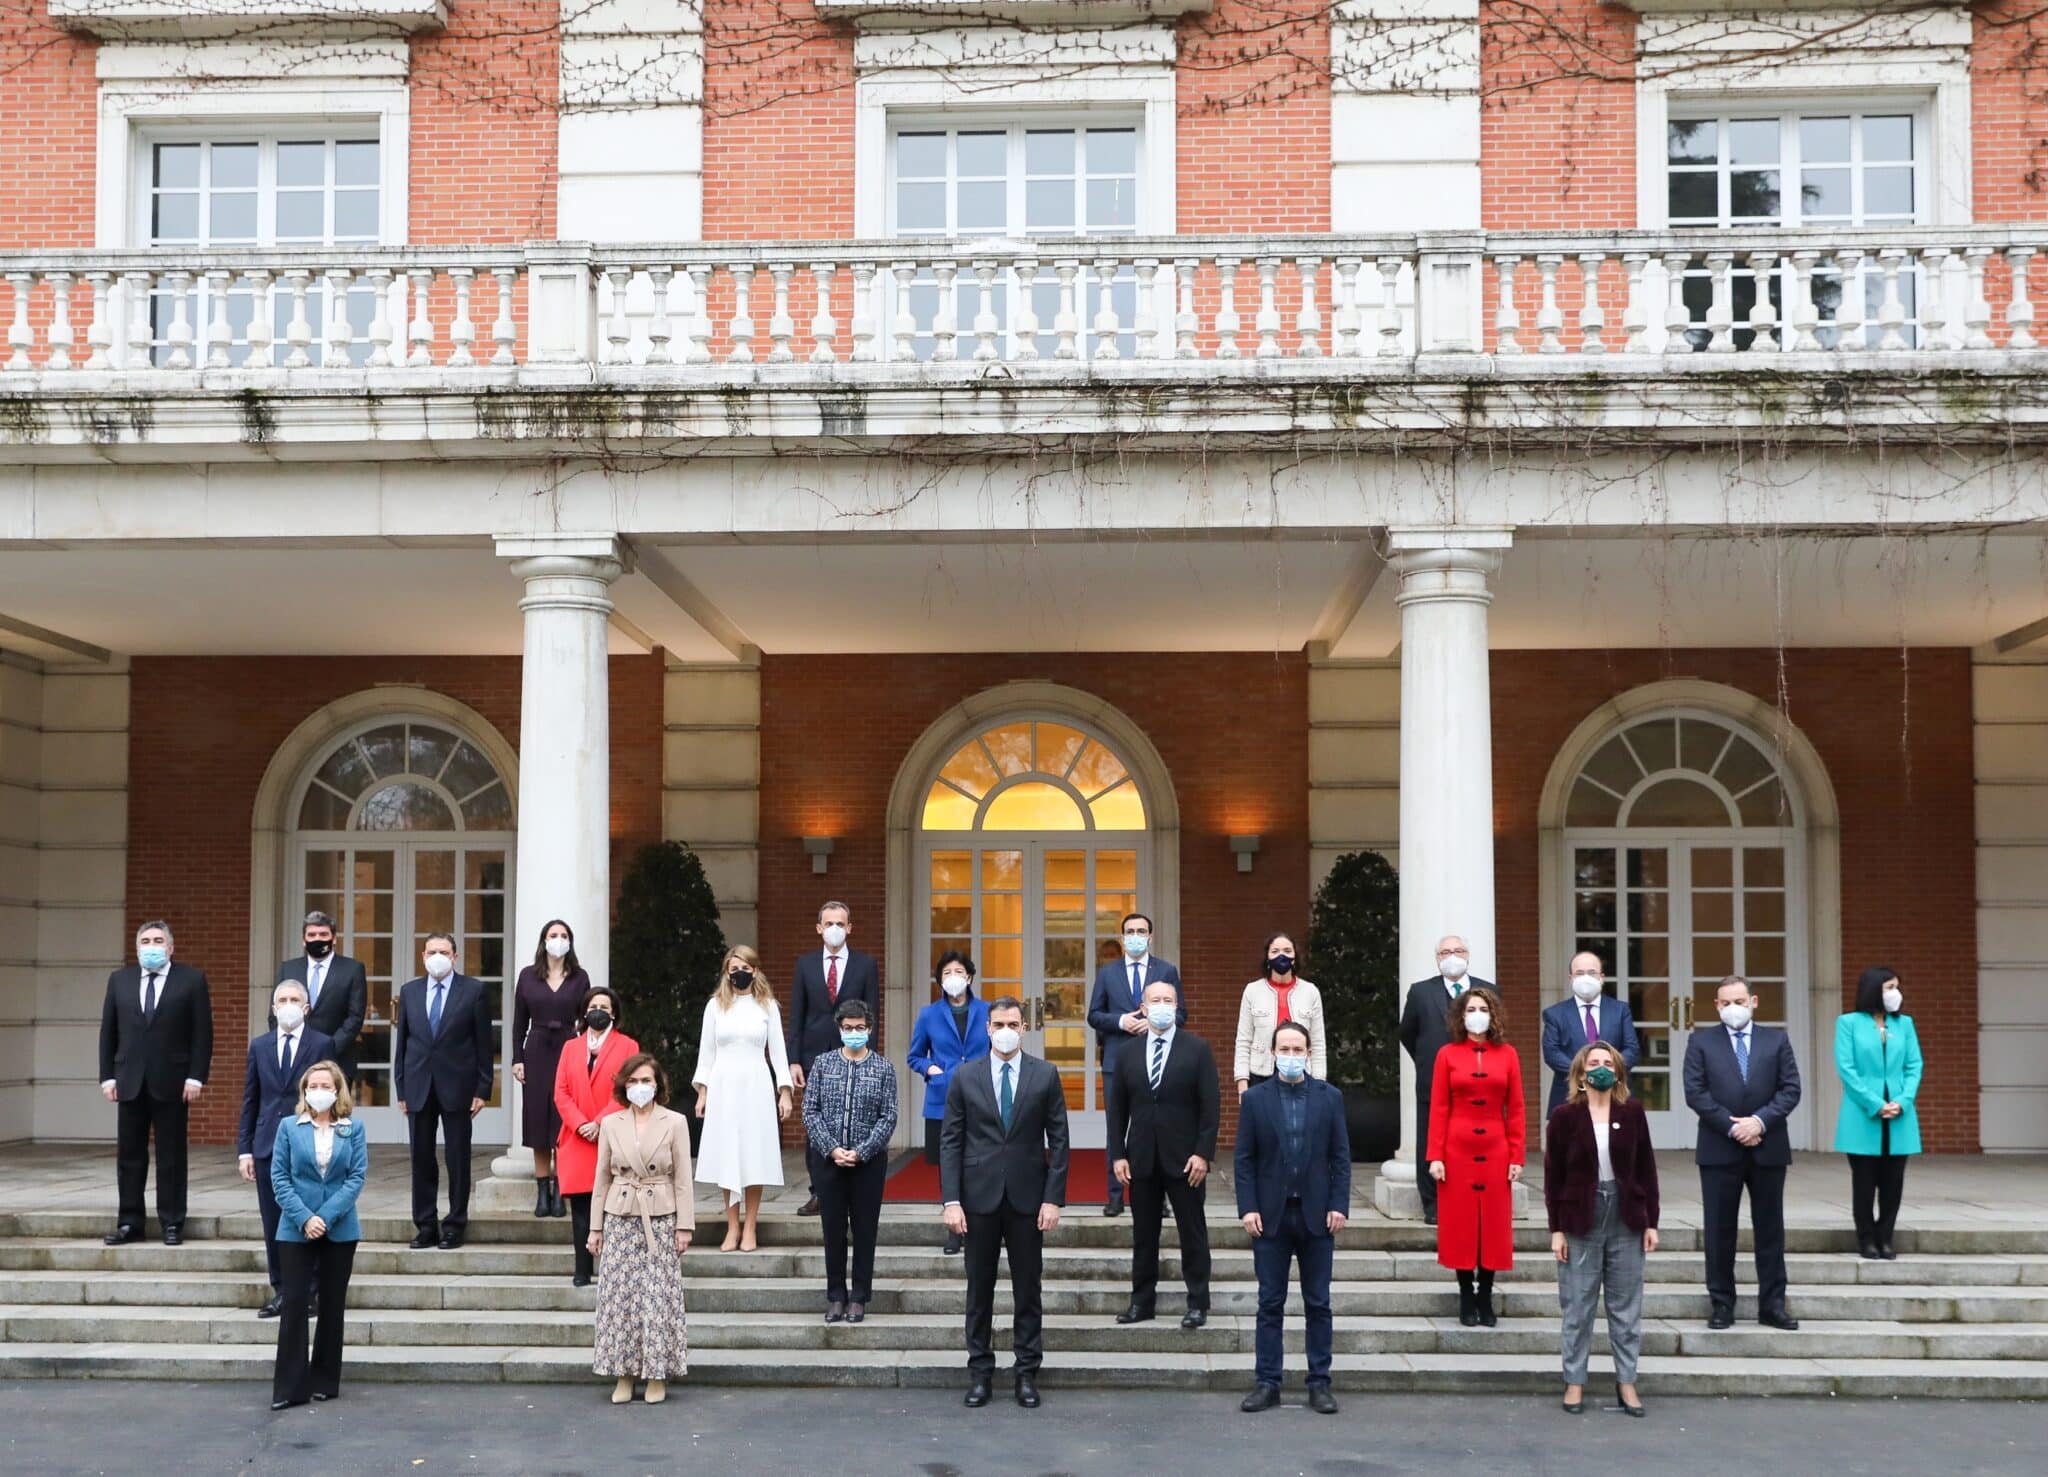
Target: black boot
point(540, 1196)
point(1468, 1305)
point(557, 1206)
point(1487, 1316)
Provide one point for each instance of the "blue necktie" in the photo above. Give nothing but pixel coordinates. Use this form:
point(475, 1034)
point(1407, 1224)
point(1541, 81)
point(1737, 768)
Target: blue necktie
point(434, 1009)
point(1742, 1053)
point(1009, 1098)
point(1137, 984)
point(1158, 1060)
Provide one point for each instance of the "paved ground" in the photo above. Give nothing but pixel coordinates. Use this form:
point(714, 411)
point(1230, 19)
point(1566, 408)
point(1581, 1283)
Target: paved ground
point(107, 1426)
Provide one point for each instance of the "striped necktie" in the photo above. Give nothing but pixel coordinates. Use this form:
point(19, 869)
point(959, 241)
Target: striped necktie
point(1158, 1060)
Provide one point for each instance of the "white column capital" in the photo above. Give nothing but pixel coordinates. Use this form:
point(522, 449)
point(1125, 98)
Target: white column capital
point(567, 571)
point(1446, 563)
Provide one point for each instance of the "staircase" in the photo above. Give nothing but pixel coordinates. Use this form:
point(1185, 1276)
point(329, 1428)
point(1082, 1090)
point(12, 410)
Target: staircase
point(1963, 1313)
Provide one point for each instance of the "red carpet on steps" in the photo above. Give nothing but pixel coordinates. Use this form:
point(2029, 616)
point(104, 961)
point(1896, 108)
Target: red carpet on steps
point(1087, 1179)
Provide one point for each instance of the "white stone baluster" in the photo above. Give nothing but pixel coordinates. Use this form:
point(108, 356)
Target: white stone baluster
point(1762, 316)
point(781, 327)
point(220, 333)
point(337, 335)
point(1852, 332)
point(461, 331)
point(1349, 320)
point(1390, 305)
point(1308, 317)
point(660, 330)
point(1977, 310)
point(903, 323)
point(1066, 323)
point(1592, 317)
point(381, 315)
point(1549, 317)
point(618, 328)
point(1721, 310)
point(178, 336)
point(420, 331)
point(137, 292)
point(1227, 321)
point(864, 315)
point(1800, 313)
point(701, 330)
point(59, 337)
point(741, 330)
point(20, 337)
point(1267, 321)
point(99, 331)
point(1024, 331)
point(1507, 318)
point(504, 328)
point(824, 327)
point(1677, 316)
point(2019, 307)
point(1145, 325)
point(1891, 309)
point(1107, 326)
point(1933, 297)
point(1635, 312)
point(946, 321)
point(1185, 322)
point(985, 322)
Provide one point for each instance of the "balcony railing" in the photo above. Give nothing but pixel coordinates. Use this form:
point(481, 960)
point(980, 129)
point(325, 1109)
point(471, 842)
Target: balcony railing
point(1049, 309)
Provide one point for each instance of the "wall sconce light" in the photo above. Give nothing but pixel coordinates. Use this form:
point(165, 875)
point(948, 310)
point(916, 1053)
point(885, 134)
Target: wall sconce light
point(818, 848)
point(1244, 848)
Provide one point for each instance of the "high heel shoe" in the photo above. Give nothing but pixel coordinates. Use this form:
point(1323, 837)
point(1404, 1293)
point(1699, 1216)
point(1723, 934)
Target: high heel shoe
point(1574, 1407)
point(557, 1206)
point(657, 1391)
point(622, 1392)
point(540, 1196)
point(1635, 1410)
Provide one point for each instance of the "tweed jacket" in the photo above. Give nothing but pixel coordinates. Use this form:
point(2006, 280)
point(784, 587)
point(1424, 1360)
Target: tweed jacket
point(850, 1105)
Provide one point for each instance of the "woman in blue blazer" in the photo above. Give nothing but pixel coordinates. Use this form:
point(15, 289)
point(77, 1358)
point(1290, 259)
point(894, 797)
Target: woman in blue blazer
point(1877, 1056)
point(317, 1168)
point(951, 1030)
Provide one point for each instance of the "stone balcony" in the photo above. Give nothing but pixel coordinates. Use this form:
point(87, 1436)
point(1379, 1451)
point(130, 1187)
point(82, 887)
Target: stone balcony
point(1185, 342)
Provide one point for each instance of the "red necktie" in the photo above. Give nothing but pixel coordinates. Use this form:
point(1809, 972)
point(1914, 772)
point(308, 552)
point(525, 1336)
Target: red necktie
point(832, 978)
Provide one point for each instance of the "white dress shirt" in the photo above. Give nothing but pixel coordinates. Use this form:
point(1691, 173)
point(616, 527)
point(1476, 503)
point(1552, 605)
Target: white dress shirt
point(1152, 1038)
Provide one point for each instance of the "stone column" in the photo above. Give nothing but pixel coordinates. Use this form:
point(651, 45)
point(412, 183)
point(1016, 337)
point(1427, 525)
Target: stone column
point(564, 848)
point(1446, 778)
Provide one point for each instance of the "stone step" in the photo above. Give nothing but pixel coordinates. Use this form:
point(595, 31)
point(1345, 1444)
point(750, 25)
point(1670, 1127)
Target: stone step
point(935, 1295)
point(774, 1333)
point(884, 1368)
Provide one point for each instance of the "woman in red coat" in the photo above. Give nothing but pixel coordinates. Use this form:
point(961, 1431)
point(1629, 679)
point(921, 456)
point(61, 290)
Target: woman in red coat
point(583, 1097)
point(1476, 1142)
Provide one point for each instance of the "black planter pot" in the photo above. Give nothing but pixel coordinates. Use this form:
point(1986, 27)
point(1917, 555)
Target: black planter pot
point(1374, 1124)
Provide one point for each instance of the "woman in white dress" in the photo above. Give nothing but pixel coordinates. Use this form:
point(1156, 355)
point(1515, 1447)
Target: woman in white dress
point(738, 1099)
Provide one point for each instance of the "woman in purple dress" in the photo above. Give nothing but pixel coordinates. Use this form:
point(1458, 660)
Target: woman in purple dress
point(547, 1009)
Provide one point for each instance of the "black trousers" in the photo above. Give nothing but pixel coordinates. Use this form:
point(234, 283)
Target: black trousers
point(849, 1204)
point(1880, 1178)
point(987, 1237)
point(579, 1232)
point(266, 1206)
point(1150, 1195)
point(931, 1139)
point(139, 1117)
point(426, 1174)
point(311, 1266)
point(1721, 1187)
point(1424, 1181)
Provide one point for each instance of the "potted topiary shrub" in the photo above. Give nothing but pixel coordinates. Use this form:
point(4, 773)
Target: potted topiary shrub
point(666, 949)
point(1354, 956)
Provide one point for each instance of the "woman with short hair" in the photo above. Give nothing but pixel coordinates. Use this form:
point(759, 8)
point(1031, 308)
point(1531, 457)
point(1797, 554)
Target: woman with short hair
point(643, 1218)
point(584, 1077)
point(317, 1167)
point(950, 1032)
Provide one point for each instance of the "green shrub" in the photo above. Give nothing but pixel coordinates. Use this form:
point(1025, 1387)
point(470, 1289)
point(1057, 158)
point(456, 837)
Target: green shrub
point(1354, 956)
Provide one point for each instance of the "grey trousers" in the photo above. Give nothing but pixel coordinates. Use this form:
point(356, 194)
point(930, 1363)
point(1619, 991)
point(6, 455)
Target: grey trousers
point(1610, 1258)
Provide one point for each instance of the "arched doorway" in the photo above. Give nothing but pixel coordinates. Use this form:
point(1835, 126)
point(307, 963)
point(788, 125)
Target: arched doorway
point(1685, 860)
point(403, 826)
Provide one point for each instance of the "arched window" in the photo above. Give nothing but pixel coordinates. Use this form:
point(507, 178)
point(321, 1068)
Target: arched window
point(1034, 776)
point(1685, 850)
point(410, 776)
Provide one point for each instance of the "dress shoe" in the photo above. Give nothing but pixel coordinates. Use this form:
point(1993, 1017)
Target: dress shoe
point(323, 1396)
point(1866, 1248)
point(809, 1207)
point(285, 1404)
point(1885, 1252)
point(954, 1241)
point(272, 1308)
point(1194, 1318)
point(835, 1312)
point(1625, 1408)
point(856, 1312)
point(450, 1240)
point(1112, 1207)
point(424, 1240)
point(1135, 1314)
point(122, 1236)
point(581, 1279)
point(1573, 1407)
point(977, 1394)
point(1778, 1318)
point(1429, 1218)
point(1027, 1392)
point(1262, 1397)
point(1321, 1401)
point(1721, 1318)
point(174, 1235)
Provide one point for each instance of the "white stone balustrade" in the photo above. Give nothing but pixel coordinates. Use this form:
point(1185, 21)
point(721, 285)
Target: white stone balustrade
point(1140, 307)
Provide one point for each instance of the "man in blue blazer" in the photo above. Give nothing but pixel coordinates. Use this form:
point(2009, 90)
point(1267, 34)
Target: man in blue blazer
point(1116, 1009)
point(444, 1049)
point(1590, 1015)
point(270, 1090)
point(1741, 1079)
point(1294, 1196)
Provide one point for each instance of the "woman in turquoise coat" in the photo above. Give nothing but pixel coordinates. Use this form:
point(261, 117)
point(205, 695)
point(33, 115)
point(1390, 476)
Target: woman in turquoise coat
point(1877, 1056)
point(317, 1169)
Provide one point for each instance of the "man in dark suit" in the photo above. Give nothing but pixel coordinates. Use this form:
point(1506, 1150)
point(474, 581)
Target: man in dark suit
point(1741, 1079)
point(156, 1044)
point(1294, 1196)
point(444, 1051)
point(337, 990)
point(1116, 1009)
point(821, 980)
point(1590, 1015)
point(1003, 1177)
point(270, 1091)
point(1425, 1030)
point(1163, 1113)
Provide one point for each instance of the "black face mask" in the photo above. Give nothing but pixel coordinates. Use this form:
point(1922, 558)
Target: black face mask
point(320, 948)
point(742, 979)
point(599, 1020)
point(1280, 964)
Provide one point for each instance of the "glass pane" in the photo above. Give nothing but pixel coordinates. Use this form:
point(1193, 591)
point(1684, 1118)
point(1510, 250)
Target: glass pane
point(326, 902)
point(1764, 806)
point(1096, 769)
point(231, 216)
point(1048, 205)
point(1065, 958)
point(1595, 912)
point(983, 206)
point(1057, 746)
point(1824, 140)
point(953, 912)
point(371, 913)
point(1678, 802)
point(1591, 806)
point(1011, 747)
point(1649, 867)
point(1763, 866)
point(1692, 195)
point(1713, 912)
point(484, 913)
point(1034, 806)
point(1764, 911)
point(323, 871)
point(355, 162)
point(1121, 809)
point(1712, 959)
point(1002, 962)
point(347, 770)
point(1002, 912)
point(1112, 204)
point(1066, 1001)
point(1002, 870)
point(1648, 958)
point(1753, 194)
point(355, 215)
point(386, 749)
point(946, 809)
point(1742, 766)
point(404, 807)
point(374, 871)
point(1691, 140)
point(1700, 745)
point(234, 166)
point(468, 771)
point(433, 869)
point(177, 166)
point(427, 749)
point(970, 770)
point(303, 163)
point(490, 809)
point(1765, 958)
point(323, 810)
point(981, 155)
point(1656, 744)
point(1824, 192)
point(940, 944)
point(1116, 869)
point(1887, 138)
point(1648, 912)
point(174, 218)
point(1112, 151)
point(484, 871)
point(951, 869)
point(1594, 866)
point(1888, 192)
point(1049, 151)
point(1110, 908)
point(920, 207)
point(1752, 141)
point(1613, 766)
point(433, 910)
point(920, 156)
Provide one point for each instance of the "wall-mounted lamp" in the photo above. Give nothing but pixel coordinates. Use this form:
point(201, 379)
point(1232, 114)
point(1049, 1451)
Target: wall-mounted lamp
point(1244, 848)
point(817, 848)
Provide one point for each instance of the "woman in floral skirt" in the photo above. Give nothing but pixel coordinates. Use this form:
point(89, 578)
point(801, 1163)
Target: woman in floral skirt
point(641, 1222)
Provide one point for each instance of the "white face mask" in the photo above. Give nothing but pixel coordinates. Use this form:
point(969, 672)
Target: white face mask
point(291, 1016)
point(1452, 967)
point(1735, 1017)
point(440, 966)
point(1135, 944)
point(1478, 1022)
point(835, 935)
point(955, 985)
point(320, 1099)
point(1160, 1014)
point(1586, 986)
point(557, 948)
point(639, 1094)
point(1893, 999)
point(1006, 1040)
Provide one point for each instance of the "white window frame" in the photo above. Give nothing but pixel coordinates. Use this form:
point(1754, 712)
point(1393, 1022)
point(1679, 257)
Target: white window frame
point(1787, 112)
point(266, 137)
point(1014, 125)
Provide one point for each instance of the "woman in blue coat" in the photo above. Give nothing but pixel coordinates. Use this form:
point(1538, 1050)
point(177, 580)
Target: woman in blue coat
point(1877, 1056)
point(317, 1168)
point(951, 1030)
